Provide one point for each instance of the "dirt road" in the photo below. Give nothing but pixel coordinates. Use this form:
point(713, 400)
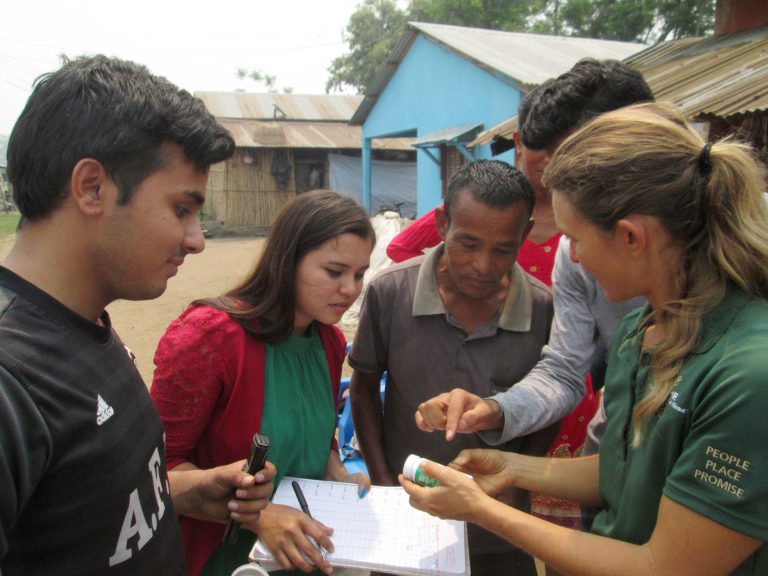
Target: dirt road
point(141, 324)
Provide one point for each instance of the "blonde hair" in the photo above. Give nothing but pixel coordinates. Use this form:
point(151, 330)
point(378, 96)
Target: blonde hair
point(646, 159)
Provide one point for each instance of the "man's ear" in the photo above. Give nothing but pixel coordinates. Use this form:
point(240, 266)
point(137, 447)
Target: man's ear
point(528, 228)
point(441, 221)
point(518, 150)
point(88, 186)
point(632, 234)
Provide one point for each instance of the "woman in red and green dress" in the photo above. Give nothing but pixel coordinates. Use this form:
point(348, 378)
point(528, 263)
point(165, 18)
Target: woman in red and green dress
point(266, 357)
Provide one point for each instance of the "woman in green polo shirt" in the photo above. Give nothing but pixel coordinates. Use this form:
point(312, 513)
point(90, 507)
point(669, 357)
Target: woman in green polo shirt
point(266, 357)
point(682, 474)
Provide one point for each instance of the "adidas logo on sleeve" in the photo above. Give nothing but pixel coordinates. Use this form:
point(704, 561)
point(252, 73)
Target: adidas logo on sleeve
point(103, 410)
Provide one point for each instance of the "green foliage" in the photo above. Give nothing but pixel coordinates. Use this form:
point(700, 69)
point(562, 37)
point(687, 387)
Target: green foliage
point(627, 20)
point(683, 18)
point(8, 223)
point(372, 32)
point(493, 14)
point(375, 27)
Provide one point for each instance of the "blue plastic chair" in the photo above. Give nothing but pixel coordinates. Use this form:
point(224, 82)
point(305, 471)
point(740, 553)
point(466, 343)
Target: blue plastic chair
point(345, 424)
point(350, 457)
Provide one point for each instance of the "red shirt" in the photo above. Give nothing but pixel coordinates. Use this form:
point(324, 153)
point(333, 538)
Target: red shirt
point(421, 233)
point(539, 259)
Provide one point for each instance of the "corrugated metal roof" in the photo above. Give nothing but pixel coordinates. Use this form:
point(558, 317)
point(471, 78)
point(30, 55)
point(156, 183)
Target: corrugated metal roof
point(505, 129)
point(461, 133)
point(326, 135)
point(319, 107)
point(721, 75)
point(523, 60)
point(527, 58)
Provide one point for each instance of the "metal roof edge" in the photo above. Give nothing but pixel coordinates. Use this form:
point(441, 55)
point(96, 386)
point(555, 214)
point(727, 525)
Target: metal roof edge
point(694, 45)
point(381, 81)
point(461, 133)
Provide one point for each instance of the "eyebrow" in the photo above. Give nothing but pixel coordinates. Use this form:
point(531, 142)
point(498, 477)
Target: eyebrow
point(195, 196)
point(340, 264)
point(472, 238)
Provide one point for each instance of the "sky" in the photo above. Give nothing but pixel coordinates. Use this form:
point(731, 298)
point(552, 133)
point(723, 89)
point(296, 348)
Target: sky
point(197, 45)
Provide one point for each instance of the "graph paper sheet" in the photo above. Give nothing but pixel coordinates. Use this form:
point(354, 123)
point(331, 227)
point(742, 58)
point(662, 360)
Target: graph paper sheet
point(379, 532)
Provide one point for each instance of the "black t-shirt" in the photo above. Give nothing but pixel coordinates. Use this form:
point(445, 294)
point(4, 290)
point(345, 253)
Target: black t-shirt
point(82, 463)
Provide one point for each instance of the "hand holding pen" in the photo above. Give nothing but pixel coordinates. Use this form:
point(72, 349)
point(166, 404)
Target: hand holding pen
point(305, 508)
point(294, 538)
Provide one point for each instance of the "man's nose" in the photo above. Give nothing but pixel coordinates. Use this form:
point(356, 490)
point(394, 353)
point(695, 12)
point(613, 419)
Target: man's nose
point(194, 241)
point(483, 263)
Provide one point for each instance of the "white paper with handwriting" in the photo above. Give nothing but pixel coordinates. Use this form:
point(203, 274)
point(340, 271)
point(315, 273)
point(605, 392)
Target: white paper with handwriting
point(379, 532)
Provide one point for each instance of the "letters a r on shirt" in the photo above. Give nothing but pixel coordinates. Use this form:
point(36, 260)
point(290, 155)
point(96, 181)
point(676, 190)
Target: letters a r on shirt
point(136, 531)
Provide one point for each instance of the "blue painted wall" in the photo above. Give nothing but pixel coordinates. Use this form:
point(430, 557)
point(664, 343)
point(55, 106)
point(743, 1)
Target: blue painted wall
point(433, 88)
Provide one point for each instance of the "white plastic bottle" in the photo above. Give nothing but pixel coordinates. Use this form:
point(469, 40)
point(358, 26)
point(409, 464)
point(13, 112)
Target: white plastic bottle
point(412, 471)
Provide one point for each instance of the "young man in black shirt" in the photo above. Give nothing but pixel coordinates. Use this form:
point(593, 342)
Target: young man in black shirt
point(109, 167)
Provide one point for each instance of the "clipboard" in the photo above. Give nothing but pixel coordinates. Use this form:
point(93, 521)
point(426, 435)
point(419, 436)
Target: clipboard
point(381, 532)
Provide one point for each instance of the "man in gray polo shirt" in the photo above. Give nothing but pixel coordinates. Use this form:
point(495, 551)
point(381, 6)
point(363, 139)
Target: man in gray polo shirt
point(450, 319)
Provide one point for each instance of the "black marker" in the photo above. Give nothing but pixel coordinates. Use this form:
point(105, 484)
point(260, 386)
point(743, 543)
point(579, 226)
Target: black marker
point(256, 461)
point(305, 509)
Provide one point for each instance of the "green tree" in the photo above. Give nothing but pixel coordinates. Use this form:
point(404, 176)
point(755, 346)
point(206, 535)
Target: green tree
point(627, 20)
point(371, 33)
point(492, 14)
point(682, 18)
point(375, 27)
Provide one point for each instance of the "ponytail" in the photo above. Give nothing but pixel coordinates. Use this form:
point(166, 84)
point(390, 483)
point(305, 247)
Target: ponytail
point(707, 196)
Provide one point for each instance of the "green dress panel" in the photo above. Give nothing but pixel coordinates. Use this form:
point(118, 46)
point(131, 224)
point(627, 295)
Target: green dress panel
point(300, 419)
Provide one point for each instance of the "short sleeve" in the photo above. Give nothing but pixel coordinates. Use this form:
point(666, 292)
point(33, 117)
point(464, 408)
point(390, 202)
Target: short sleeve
point(335, 347)
point(722, 472)
point(368, 353)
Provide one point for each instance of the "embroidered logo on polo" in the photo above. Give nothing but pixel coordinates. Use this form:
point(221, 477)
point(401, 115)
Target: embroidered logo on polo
point(672, 402)
point(103, 410)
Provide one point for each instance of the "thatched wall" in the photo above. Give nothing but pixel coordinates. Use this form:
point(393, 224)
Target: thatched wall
point(242, 192)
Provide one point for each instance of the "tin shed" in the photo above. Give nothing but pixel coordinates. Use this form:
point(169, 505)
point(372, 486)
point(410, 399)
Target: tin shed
point(284, 143)
point(443, 85)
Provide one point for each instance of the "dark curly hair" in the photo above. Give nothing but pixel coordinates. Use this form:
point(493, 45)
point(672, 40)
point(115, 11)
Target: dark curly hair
point(589, 89)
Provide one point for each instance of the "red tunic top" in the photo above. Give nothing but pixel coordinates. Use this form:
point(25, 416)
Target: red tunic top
point(208, 388)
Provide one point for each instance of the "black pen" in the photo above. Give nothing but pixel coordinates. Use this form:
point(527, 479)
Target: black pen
point(305, 509)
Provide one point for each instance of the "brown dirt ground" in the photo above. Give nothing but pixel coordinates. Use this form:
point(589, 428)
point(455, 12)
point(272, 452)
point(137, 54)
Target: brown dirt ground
point(141, 324)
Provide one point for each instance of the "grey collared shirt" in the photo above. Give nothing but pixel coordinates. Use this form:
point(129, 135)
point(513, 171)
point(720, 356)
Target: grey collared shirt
point(405, 329)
